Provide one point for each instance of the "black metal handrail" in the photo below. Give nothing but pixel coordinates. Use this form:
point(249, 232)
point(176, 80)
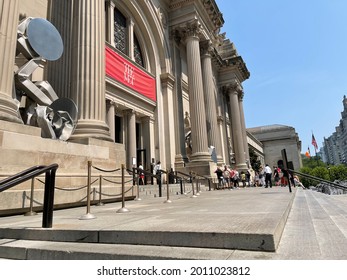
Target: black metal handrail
point(32, 172)
point(318, 179)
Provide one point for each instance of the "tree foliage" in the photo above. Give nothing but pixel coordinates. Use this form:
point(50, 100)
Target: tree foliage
point(255, 162)
point(315, 167)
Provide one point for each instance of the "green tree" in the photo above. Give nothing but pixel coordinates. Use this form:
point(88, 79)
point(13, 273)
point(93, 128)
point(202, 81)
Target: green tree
point(317, 168)
point(337, 172)
point(255, 162)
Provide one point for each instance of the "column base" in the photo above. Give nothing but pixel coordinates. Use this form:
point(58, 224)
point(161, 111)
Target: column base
point(202, 168)
point(9, 109)
point(241, 167)
point(91, 129)
point(179, 162)
point(200, 157)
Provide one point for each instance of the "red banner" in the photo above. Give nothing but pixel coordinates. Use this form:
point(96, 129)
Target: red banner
point(124, 71)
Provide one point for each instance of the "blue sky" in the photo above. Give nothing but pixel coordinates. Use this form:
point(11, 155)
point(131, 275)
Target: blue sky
point(296, 52)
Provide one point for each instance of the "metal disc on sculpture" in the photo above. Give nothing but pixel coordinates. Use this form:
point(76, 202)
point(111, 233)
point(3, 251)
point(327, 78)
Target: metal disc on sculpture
point(45, 39)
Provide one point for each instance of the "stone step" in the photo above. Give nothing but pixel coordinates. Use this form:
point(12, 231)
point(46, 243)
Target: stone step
point(244, 219)
point(50, 250)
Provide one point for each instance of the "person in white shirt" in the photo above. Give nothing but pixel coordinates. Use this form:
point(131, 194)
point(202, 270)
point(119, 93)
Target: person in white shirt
point(268, 175)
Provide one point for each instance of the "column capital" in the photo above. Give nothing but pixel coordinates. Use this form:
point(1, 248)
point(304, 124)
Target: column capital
point(191, 29)
point(206, 48)
point(111, 3)
point(220, 119)
point(129, 112)
point(111, 102)
point(233, 88)
point(167, 78)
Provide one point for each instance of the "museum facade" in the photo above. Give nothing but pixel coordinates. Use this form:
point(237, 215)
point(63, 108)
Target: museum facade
point(151, 80)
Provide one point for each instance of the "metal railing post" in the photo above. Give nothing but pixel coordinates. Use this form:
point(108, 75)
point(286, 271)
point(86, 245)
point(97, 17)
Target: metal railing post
point(100, 191)
point(48, 203)
point(192, 180)
point(197, 183)
point(138, 186)
point(88, 215)
point(31, 212)
point(123, 209)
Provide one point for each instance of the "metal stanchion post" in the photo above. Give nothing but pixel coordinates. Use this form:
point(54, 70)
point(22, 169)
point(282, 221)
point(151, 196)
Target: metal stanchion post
point(100, 189)
point(31, 212)
point(192, 180)
point(167, 191)
point(138, 189)
point(197, 183)
point(181, 185)
point(88, 215)
point(159, 182)
point(123, 209)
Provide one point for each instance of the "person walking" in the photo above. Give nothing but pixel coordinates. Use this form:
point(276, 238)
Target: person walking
point(268, 175)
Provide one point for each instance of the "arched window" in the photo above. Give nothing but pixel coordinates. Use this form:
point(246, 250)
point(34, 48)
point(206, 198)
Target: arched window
point(120, 31)
point(137, 52)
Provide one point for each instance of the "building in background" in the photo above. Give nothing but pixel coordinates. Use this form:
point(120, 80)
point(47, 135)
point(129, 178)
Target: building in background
point(274, 139)
point(335, 146)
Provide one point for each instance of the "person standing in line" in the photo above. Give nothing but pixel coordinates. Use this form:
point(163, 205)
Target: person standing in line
point(243, 178)
point(156, 171)
point(277, 175)
point(219, 173)
point(226, 177)
point(261, 175)
point(141, 175)
point(268, 175)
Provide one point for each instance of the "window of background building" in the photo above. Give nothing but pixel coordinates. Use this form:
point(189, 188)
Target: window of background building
point(121, 38)
point(137, 52)
point(120, 31)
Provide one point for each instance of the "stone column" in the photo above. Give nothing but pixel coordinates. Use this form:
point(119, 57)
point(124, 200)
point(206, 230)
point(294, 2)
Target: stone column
point(59, 73)
point(244, 132)
point(196, 95)
point(88, 69)
point(233, 91)
point(168, 81)
point(131, 39)
point(110, 22)
point(131, 137)
point(8, 42)
point(210, 101)
point(180, 156)
point(110, 118)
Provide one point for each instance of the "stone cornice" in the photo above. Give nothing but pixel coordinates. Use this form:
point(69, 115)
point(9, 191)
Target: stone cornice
point(240, 65)
point(210, 6)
